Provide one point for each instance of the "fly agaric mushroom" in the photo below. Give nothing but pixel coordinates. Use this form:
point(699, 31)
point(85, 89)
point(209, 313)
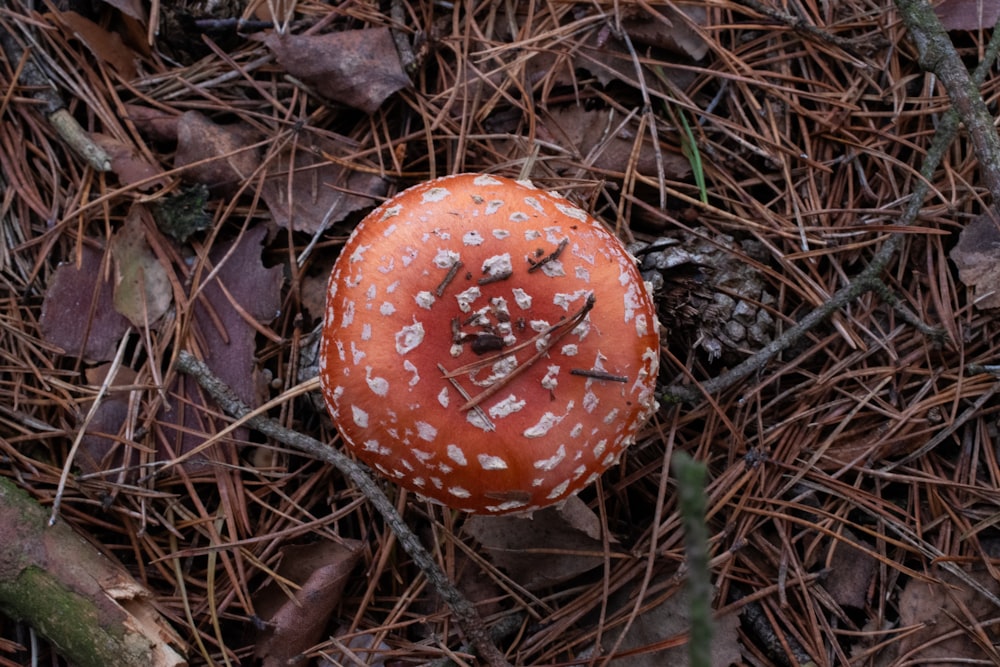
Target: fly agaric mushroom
point(487, 345)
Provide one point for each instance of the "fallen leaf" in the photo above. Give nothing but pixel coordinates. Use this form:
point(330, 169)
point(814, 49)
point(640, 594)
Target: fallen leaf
point(543, 549)
point(667, 624)
point(359, 68)
point(296, 622)
point(977, 256)
point(580, 517)
point(849, 578)
point(220, 155)
point(143, 292)
point(129, 164)
point(78, 313)
point(314, 283)
point(106, 46)
point(967, 14)
point(241, 289)
point(318, 192)
point(671, 30)
point(133, 8)
point(153, 123)
point(101, 447)
point(601, 140)
point(947, 607)
point(609, 59)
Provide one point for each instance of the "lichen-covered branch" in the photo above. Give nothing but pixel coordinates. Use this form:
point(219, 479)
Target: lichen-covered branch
point(937, 54)
point(87, 606)
point(987, 150)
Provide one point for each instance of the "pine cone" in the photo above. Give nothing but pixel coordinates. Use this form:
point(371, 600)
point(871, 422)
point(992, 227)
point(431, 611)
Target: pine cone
point(710, 292)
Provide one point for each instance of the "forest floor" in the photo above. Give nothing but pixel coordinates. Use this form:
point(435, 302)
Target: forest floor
point(818, 234)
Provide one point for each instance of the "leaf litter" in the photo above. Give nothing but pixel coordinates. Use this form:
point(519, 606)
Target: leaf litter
point(977, 256)
point(142, 289)
point(271, 139)
point(78, 314)
point(297, 605)
point(238, 295)
point(549, 548)
point(359, 68)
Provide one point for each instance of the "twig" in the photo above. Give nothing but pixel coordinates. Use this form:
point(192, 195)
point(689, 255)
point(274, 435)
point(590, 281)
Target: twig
point(801, 25)
point(502, 629)
point(53, 107)
point(869, 279)
point(937, 54)
point(892, 299)
point(464, 611)
point(236, 25)
point(88, 606)
point(406, 56)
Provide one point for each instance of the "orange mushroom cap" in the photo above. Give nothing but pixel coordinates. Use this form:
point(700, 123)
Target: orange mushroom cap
point(487, 344)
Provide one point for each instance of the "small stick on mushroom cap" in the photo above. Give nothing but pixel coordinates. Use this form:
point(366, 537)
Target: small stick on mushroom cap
point(487, 344)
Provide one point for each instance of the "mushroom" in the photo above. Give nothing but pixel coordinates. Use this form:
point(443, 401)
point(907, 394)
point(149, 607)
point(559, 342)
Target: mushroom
point(487, 345)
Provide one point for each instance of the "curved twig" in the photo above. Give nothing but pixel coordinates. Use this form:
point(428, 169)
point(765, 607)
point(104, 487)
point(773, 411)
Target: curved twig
point(962, 90)
point(465, 613)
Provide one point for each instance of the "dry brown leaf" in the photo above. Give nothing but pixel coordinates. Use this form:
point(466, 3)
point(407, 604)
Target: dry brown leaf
point(225, 146)
point(967, 14)
point(106, 46)
point(580, 517)
point(939, 608)
point(153, 123)
point(227, 341)
point(313, 285)
point(100, 448)
point(977, 256)
point(851, 571)
point(600, 139)
point(294, 624)
point(143, 291)
point(609, 59)
point(319, 192)
point(78, 313)
point(250, 287)
point(129, 165)
point(543, 549)
point(671, 30)
point(663, 623)
point(359, 68)
point(133, 8)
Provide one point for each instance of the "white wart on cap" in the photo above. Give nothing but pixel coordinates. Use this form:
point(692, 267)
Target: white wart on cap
point(487, 345)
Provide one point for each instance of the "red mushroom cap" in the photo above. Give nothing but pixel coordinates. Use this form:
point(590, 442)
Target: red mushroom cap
point(487, 344)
